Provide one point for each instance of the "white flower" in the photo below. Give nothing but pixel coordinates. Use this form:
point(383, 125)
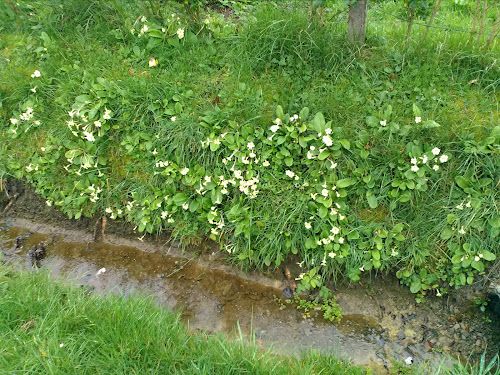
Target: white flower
point(49, 203)
point(327, 140)
point(250, 145)
point(61, 345)
point(301, 276)
point(152, 62)
point(180, 33)
point(418, 119)
point(341, 240)
point(476, 258)
point(462, 230)
point(438, 293)
point(265, 163)
point(383, 123)
point(275, 128)
point(467, 204)
point(277, 121)
point(328, 131)
point(97, 124)
point(290, 174)
point(33, 89)
point(216, 141)
point(36, 73)
point(333, 165)
point(424, 159)
point(14, 121)
point(184, 171)
point(335, 230)
point(312, 148)
point(308, 225)
point(185, 206)
point(109, 210)
point(173, 118)
point(332, 255)
point(414, 161)
point(409, 360)
point(436, 151)
point(443, 158)
point(341, 217)
point(324, 193)
point(89, 136)
point(414, 168)
point(435, 167)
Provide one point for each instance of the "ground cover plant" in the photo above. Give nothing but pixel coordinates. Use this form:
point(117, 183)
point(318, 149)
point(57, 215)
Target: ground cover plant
point(259, 125)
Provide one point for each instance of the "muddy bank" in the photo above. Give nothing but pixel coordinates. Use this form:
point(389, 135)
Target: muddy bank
point(381, 320)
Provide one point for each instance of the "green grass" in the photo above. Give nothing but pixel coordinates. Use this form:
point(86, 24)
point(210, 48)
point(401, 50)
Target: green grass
point(228, 75)
point(48, 327)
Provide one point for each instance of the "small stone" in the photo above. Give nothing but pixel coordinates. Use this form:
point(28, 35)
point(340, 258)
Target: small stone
point(456, 326)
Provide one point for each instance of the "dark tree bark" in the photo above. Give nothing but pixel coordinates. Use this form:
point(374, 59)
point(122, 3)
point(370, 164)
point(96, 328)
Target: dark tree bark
point(356, 26)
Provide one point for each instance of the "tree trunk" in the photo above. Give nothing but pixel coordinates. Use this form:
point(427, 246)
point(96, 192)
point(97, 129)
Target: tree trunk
point(410, 24)
point(481, 26)
point(356, 26)
point(494, 30)
point(430, 22)
point(474, 21)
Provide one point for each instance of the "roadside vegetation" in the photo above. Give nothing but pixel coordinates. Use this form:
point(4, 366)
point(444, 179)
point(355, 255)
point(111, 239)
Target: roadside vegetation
point(259, 125)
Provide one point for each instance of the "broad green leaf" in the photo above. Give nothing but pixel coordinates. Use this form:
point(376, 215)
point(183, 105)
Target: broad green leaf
point(345, 182)
point(372, 200)
point(462, 182)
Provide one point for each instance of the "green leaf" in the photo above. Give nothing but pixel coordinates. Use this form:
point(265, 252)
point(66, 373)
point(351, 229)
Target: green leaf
point(415, 286)
point(478, 265)
point(447, 233)
point(318, 122)
point(279, 112)
point(344, 183)
point(323, 155)
point(494, 221)
point(376, 254)
point(354, 235)
point(180, 198)
point(372, 200)
point(322, 212)
point(289, 161)
point(345, 143)
point(462, 182)
point(304, 113)
point(416, 110)
point(214, 146)
point(488, 256)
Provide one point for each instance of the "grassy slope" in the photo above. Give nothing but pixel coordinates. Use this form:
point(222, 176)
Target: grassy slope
point(278, 58)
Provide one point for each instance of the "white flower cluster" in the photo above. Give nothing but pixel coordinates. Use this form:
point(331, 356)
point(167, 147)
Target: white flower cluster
point(27, 118)
point(93, 192)
point(422, 160)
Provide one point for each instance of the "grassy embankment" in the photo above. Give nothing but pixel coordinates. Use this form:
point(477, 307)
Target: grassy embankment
point(391, 164)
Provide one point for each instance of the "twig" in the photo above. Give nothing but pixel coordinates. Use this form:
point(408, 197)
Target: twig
point(10, 203)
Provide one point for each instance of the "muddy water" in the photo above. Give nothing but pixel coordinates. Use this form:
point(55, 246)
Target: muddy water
point(381, 322)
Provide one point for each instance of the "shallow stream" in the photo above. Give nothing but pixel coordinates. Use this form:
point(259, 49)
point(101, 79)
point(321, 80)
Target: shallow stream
point(381, 320)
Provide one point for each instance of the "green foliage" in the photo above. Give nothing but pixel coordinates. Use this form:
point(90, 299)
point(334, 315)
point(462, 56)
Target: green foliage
point(262, 131)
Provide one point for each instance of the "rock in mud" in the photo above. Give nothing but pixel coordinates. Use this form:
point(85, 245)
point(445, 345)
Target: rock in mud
point(37, 254)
